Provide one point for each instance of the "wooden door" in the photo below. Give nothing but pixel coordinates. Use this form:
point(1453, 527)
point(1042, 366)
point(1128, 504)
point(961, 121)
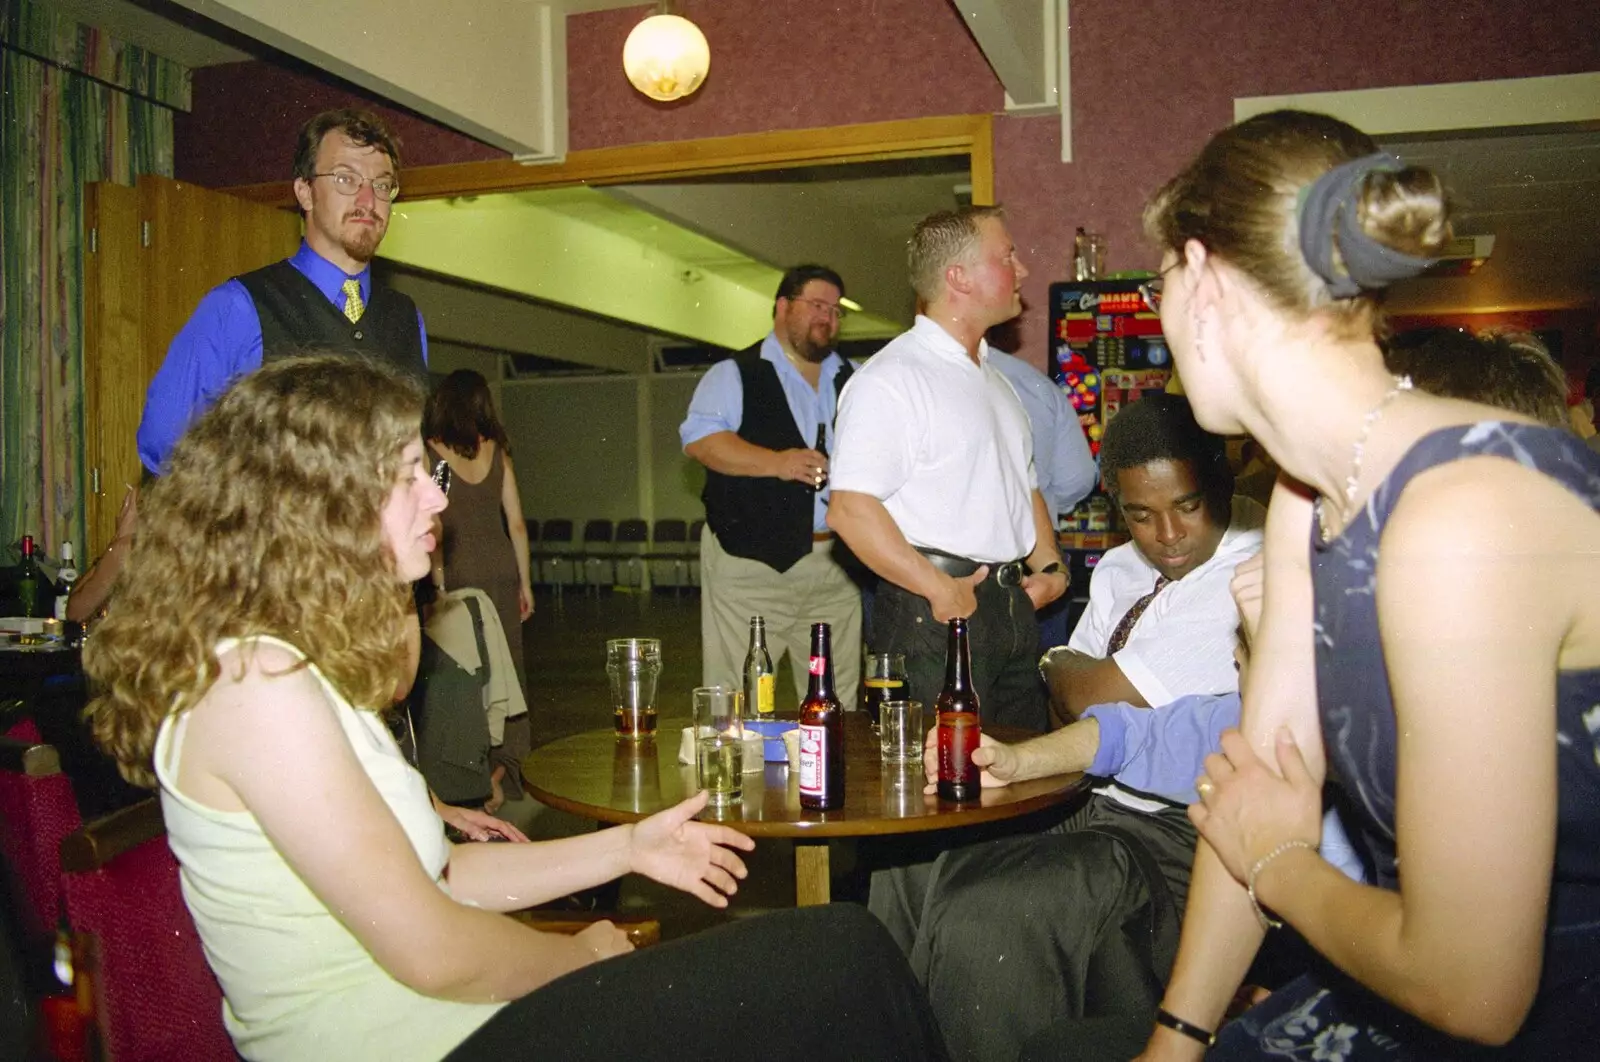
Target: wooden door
point(153, 252)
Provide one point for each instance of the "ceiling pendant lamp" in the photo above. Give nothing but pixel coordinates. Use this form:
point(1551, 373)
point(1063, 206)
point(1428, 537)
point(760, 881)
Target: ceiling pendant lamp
point(666, 57)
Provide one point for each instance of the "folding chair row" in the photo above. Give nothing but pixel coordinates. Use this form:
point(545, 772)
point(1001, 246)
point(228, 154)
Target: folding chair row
point(619, 555)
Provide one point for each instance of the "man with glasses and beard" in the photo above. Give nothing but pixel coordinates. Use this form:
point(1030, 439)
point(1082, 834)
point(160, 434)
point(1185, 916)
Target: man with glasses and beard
point(761, 423)
point(346, 177)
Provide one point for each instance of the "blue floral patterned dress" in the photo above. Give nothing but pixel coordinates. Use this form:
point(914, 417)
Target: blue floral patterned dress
point(1327, 1017)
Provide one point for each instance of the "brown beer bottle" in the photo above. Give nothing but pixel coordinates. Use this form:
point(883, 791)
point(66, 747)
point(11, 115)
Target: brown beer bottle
point(957, 707)
point(821, 448)
point(821, 731)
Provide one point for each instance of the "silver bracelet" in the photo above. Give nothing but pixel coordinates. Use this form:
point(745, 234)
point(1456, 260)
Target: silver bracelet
point(1268, 922)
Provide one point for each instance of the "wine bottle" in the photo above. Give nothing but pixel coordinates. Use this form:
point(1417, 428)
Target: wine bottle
point(30, 581)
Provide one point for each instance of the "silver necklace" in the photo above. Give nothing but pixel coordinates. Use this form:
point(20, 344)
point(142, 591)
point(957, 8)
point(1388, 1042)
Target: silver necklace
point(1357, 450)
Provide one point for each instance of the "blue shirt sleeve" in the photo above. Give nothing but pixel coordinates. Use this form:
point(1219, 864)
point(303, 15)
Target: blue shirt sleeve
point(717, 405)
point(1161, 750)
point(422, 329)
point(1074, 470)
point(220, 342)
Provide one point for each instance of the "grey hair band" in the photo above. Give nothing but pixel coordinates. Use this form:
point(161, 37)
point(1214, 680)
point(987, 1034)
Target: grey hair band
point(1330, 209)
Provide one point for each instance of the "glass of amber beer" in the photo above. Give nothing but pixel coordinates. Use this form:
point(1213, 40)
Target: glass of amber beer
point(633, 665)
point(883, 679)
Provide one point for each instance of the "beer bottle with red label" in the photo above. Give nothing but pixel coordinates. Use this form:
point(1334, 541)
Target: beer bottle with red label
point(957, 708)
point(821, 731)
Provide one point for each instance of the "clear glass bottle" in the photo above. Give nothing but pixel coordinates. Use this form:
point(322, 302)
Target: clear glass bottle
point(760, 680)
point(65, 578)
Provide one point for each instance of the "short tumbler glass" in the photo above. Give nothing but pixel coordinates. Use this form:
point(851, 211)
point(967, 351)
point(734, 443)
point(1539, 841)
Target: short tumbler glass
point(900, 735)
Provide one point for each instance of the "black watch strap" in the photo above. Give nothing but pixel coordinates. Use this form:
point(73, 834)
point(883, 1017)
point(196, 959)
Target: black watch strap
point(1051, 568)
point(1178, 1025)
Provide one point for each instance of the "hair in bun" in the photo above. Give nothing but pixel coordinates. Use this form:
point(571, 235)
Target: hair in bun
point(1305, 206)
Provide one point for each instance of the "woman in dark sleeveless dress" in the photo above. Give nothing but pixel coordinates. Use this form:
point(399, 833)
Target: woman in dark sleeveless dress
point(1447, 686)
point(477, 549)
point(483, 539)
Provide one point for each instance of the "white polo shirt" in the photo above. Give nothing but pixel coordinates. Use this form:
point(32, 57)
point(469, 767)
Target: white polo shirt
point(944, 444)
point(1184, 642)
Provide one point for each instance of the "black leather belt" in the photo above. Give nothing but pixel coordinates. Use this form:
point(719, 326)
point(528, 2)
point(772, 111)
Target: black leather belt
point(1008, 573)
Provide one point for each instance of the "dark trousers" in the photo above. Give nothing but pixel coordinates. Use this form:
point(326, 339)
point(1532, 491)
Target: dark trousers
point(1004, 639)
point(804, 984)
point(1020, 940)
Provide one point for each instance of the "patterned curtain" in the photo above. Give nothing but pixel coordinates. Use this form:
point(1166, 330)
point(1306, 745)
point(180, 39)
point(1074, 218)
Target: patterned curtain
point(75, 106)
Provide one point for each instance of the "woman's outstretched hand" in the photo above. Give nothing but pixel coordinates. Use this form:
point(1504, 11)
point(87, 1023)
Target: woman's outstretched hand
point(696, 857)
point(1246, 810)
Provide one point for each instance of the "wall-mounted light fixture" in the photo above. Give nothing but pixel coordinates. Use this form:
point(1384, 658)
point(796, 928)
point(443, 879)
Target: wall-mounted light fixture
point(666, 57)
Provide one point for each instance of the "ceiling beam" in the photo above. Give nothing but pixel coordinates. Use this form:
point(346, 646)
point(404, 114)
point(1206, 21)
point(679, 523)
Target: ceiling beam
point(477, 317)
point(497, 73)
point(1018, 38)
point(546, 254)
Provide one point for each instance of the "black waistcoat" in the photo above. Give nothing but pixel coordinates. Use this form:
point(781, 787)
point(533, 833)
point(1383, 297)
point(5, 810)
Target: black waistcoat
point(764, 518)
point(297, 318)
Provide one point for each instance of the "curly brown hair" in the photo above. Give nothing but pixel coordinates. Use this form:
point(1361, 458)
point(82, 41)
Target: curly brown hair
point(267, 522)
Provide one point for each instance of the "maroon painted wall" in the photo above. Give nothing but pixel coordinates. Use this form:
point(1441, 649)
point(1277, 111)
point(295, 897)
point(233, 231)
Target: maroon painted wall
point(1151, 79)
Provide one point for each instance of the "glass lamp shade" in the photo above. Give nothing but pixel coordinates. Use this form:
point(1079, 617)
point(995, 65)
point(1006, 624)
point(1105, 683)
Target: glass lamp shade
point(666, 57)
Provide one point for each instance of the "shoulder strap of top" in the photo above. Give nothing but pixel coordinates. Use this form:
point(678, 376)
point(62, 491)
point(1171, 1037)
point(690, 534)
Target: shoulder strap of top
point(1554, 452)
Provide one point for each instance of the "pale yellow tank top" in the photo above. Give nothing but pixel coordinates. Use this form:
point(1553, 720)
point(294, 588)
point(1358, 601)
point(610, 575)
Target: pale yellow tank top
point(297, 985)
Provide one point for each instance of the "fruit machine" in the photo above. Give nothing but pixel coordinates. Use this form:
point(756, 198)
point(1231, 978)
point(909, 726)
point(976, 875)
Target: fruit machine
point(1106, 350)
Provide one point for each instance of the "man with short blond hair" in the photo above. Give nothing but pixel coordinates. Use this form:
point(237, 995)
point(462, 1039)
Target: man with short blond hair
point(934, 486)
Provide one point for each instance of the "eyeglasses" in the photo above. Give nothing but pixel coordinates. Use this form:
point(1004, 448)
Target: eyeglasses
point(1151, 289)
point(441, 475)
point(831, 309)
point(348, 182)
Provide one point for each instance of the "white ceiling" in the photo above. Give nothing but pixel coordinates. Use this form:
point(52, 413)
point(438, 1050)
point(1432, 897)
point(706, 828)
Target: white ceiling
point(1538, 194)
point(166, 29)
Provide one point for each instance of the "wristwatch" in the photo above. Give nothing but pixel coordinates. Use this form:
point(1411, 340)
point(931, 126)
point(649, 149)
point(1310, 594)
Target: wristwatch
point(1051, 568)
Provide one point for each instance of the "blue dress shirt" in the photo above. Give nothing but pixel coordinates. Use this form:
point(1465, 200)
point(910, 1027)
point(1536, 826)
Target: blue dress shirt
point(1162, 751)
point(718, 405)
point(1061, 457)
point(220, 342)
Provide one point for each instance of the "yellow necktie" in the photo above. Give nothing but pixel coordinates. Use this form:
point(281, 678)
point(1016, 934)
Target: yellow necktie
point(353, 306)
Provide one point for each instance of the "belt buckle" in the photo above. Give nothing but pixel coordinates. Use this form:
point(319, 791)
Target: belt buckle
point(1009, 574)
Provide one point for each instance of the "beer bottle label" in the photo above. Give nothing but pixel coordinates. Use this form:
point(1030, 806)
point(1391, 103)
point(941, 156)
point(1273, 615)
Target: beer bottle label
point(766, 694)
point(813, 759)
point(819, 664)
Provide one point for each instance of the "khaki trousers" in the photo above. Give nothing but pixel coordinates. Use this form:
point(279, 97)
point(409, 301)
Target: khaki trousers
point(815, 590)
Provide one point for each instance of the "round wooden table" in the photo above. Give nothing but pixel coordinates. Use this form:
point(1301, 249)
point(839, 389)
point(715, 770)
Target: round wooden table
point(600, 776)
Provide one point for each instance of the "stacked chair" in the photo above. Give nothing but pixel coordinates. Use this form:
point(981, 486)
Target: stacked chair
point(599, 563)
point(558, 567)
point(629, 552)
point(668, 557)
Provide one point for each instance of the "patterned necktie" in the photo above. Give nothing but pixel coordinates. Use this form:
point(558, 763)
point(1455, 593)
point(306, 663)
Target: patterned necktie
point(1119, 637)
point(353, 306)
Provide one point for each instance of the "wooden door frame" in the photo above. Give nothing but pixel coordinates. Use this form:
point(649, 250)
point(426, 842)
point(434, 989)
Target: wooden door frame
point(968, 134)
